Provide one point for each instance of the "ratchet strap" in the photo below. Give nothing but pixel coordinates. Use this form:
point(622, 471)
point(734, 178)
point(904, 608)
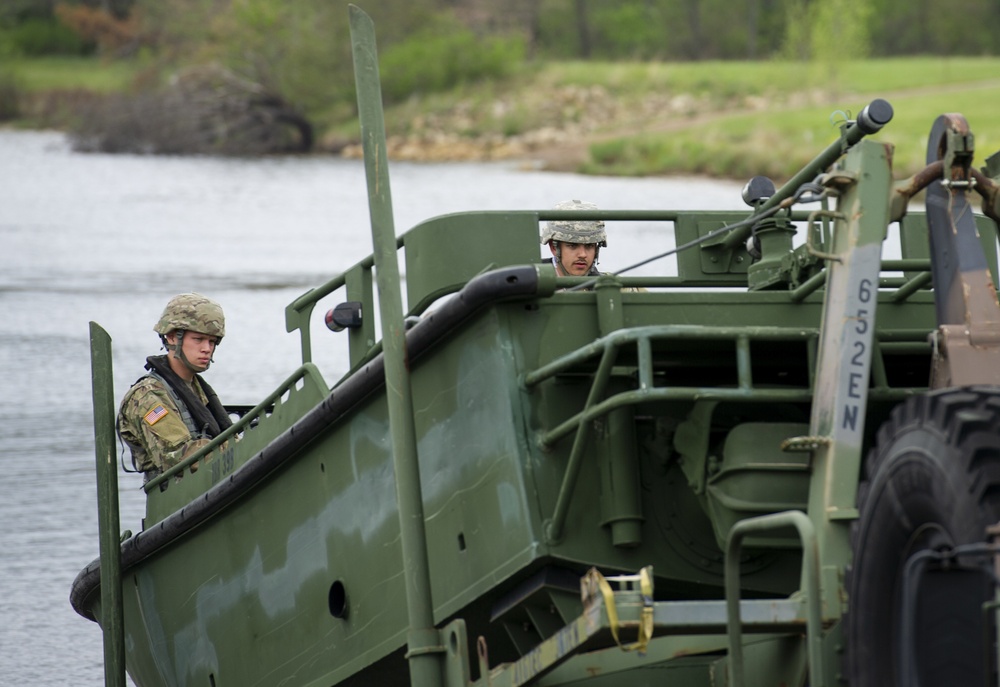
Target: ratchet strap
point(645, 580)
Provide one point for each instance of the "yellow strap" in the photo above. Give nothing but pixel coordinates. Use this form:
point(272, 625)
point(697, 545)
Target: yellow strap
point(609, 603)
point(646, 616)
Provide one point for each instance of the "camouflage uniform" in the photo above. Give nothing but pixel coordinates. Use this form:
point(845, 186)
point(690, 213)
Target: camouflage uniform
point(576, 231)
point(579, 231)
point(150, 422)
point(153, 419)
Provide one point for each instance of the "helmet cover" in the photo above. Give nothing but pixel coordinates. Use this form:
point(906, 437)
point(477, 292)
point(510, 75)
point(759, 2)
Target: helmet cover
point(575, 231)
point(192, 312)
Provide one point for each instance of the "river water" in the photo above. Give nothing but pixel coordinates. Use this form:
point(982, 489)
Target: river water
point(90, 237)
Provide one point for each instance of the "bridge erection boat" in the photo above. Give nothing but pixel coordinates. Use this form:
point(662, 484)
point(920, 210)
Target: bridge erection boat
point(774, 467)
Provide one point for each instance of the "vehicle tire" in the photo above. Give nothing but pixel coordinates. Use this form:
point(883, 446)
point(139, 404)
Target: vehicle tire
point(931, 481)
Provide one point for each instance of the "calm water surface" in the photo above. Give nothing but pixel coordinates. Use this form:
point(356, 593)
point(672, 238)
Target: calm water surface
point(109, 239)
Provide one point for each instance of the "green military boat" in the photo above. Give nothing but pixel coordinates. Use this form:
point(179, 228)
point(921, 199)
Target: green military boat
point(776, 467)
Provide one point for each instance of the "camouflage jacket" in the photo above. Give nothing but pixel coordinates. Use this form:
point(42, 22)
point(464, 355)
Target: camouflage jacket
point(151, 423)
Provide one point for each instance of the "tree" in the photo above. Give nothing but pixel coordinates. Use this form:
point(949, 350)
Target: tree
point(922, 27)
point(583, 28)
point(840, 30)
point(13, 10)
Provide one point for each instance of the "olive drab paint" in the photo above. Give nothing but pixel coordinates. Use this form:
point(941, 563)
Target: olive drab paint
point(525, 483)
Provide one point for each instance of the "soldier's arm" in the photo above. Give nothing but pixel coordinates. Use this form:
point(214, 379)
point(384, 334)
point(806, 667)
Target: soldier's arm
point(154, 419)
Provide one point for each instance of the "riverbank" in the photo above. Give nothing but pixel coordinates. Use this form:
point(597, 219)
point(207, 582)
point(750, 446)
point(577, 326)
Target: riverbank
point(729, 120)
point(564, 124)
point(727, 128)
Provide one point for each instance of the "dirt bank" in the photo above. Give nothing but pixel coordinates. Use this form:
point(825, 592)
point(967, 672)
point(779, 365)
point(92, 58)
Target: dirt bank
point(554, 128)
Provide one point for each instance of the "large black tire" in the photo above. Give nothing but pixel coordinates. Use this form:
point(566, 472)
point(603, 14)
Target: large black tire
point(932, 481)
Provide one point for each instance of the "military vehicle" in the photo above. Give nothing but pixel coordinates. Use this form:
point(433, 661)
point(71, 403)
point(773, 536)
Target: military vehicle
point(778, 466)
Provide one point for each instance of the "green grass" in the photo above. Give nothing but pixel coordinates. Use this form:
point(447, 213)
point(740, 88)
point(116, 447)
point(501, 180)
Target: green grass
point(915, 115)
point(42, 74)
point(718, 136)
point(771, 77)
point(798, 107)
point(779, 140)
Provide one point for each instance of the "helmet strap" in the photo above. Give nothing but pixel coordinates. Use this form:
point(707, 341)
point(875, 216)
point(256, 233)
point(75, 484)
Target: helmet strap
point(178, 350)
point(557, 256)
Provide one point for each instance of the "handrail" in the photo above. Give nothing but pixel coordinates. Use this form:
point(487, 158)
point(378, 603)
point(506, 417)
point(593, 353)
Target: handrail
point(235, 428)
point(299, 312)
point(607, 348)
point(634, 335)
point(642, 338)
point(553, 530)
point(810, 577)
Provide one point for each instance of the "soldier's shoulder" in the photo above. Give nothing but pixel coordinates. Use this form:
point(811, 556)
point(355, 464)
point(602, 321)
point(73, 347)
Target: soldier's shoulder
point(146, 383)
point(146, 389)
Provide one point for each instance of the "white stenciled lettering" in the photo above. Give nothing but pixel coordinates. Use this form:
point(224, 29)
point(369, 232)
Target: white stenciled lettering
point(859, 357)
point(527, 668)
point(851, 417)
point(223, 464)
point(865, 290)
point(853, 386)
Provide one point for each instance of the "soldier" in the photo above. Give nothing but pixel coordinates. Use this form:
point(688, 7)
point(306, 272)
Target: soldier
point(575, 245)
point(171, 412)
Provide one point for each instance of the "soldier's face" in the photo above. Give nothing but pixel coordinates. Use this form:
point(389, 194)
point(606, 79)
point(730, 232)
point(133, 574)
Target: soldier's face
point(575, 259)
point(198, 348)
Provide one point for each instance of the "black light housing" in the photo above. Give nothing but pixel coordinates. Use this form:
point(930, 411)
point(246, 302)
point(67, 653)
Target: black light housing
point(344, 316)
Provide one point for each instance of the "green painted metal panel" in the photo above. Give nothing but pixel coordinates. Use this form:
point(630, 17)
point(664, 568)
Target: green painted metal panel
point(445, 252)
point(446, 498)
point(716, 262)
point(302, 391)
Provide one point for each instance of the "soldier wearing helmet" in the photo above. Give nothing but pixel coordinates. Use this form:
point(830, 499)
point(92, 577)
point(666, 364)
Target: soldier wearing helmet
point(575, 244)
point(171, 412)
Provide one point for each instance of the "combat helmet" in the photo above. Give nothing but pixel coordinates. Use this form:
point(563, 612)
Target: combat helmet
point(575, 231)
point(192, 312)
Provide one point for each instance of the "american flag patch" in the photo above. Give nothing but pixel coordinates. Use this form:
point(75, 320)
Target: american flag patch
point(155, 415)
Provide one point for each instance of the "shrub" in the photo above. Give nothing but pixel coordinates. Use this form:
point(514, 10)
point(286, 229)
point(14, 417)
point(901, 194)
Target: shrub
point(629, 31)
point(97, 27)
point(609, 153)
point(34, 37)
point(10, 96)
point(444, 56)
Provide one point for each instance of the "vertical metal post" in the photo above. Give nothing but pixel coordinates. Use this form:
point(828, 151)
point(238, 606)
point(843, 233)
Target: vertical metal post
point(423, 640)
point(845, 353)
point(621, 508)
point(810, 585)
point(112, 620)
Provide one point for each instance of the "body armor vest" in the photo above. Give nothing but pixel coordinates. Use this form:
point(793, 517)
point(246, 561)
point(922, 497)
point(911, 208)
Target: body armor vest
point(203, 421)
